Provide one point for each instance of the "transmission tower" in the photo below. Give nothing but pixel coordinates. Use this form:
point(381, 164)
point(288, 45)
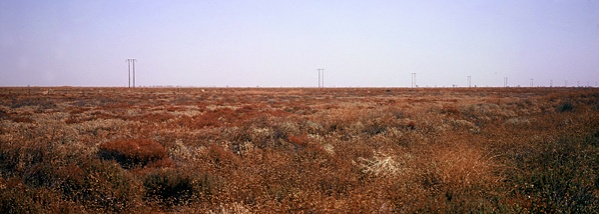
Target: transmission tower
point(505, 82)
point(531, 83)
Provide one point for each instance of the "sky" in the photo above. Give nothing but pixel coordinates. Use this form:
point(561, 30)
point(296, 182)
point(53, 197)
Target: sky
point(282, 43)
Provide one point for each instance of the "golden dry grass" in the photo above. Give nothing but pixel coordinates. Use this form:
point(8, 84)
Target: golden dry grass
point(306, 150)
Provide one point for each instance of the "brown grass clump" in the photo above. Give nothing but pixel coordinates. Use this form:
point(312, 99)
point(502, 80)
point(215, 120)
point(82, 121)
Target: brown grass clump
point(133, 153)
point(464, 166)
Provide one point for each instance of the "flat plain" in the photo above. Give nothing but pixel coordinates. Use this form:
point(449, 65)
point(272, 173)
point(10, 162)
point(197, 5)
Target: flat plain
point(299, 150)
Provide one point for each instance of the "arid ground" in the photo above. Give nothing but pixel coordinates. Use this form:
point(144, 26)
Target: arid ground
point(299, 150)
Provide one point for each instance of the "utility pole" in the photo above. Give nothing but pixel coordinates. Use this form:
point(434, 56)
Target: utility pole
point(134, 73)
point(413, 80)
point(129, 74)
point(323, 77)
point(469, 81)
point(129, 63)
point(320, 77)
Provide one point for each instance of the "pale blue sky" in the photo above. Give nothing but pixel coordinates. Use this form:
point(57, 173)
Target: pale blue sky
point(272, 43)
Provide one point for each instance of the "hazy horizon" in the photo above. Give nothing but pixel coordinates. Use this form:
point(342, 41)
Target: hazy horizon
point(283, 43)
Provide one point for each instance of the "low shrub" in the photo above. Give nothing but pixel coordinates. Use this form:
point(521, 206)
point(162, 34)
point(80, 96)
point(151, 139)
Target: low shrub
point(16, 197)
point(99, 185)
point(560, 176)
point(451, 111)
point(301, 150)
point(221, 157)
point(22, 120)
point(42, 103)
point(4, 114)
point(173, 187)
point(564, 107)
point(133, 153)
point(47, 176)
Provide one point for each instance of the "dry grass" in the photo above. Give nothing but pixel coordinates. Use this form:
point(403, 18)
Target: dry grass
point(344, 150)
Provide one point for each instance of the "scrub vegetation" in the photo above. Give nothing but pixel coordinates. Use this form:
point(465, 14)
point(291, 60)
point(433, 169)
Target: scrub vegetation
point(299, 150)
